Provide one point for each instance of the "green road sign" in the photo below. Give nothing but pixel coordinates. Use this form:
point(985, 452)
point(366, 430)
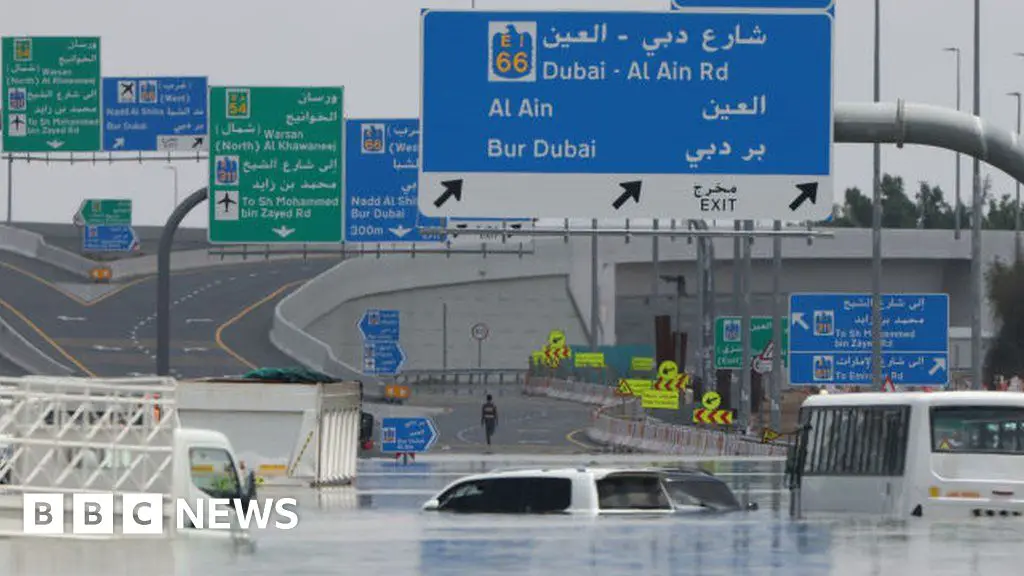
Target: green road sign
point(728, 349)
point(104, 213)
point(276, 165)
point(51, 91)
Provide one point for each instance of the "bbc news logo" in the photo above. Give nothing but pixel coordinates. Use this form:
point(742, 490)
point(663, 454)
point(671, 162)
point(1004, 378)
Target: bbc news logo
point(143, 513)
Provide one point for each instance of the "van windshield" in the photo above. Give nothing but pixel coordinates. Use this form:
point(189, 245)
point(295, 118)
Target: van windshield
point(978, 429)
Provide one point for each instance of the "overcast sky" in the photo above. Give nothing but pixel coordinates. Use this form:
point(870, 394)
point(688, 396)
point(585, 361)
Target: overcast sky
point(372, 48)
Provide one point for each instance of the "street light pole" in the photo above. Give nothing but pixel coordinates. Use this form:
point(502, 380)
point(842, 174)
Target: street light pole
point(1016, 203)
point(956, 207)
point(978, 212)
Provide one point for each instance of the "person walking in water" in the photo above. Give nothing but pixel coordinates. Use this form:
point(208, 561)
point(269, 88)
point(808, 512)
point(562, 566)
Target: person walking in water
point(489, 418)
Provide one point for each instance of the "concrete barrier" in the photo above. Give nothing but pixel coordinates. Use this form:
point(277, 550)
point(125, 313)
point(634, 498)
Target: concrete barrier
point(620, 422)
point(33, 245)
point(15, 348)
point(362, 277)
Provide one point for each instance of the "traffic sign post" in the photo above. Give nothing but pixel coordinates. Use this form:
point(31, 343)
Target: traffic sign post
point(407, 435)
point(730, 114)
point(729, 352)
point(116, 238)
point(51, 91)
point(154, 114)
point(104, 212)
point(381, 331)
point(276, 173)
point(831, 342)
point(381, 167)
point(480, 331)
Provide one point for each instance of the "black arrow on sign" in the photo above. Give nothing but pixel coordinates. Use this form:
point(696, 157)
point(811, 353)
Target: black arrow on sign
point(451, 188)
point(632, 190)
point(808, 191)
point(197, 142)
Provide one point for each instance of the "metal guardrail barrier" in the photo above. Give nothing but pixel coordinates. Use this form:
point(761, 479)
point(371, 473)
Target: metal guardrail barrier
point(468, 377)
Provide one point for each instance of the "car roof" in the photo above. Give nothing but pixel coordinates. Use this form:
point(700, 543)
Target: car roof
point(595, 473)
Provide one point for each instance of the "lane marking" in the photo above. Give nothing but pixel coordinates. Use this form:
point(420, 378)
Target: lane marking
point(218, 335)
point(69, 295)
point(571, 438)
point(46, 338)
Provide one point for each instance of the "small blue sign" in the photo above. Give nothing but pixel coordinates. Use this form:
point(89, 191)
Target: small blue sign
point(382, 357)
point(753, 4)
point(407, 435)
point(718, 114)
point(376, 325)
point(154, 114)
point(830, 339)
point(109, 239)
point(381, 170)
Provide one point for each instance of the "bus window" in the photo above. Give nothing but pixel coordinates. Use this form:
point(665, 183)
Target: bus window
point(978, 429)
point(857, 441)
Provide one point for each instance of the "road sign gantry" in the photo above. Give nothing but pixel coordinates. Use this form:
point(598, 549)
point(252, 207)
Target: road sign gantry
point(708, 114)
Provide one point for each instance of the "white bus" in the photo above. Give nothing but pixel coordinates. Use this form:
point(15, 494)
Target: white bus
point(942, 454)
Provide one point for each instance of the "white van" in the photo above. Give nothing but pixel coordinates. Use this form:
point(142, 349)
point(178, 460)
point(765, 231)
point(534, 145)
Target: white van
point(941, 454)
point(67, 435)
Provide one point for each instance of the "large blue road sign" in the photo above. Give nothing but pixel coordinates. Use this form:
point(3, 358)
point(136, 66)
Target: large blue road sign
point(380, 325)
point(382, 357)
point(154, 114)
point(830, 339)
point(752, 4)
point(381, 168)
point(405, 435)
point(627, 114)
point(102, 238)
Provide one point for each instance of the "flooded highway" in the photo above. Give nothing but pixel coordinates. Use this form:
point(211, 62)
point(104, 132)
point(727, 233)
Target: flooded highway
point(378, 528)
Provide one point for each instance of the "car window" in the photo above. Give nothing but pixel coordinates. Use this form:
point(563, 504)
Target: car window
point(213, 472)
point(702, 492)
point(631, 492)
point(509, 496)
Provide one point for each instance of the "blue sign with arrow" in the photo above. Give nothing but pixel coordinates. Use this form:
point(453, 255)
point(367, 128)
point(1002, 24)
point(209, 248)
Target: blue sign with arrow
point(710, 114)
point(382, 357)
point(830, 339)
point(407, 435)
point(154, 114)
point(380, 325)
point(117, 238)
point(381, 168)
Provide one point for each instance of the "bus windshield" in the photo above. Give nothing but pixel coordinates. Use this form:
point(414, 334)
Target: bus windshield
point(978, 429)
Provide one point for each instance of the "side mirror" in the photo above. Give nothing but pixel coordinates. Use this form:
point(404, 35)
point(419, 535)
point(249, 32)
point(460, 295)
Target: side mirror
point(250, 485)
point(432, 504)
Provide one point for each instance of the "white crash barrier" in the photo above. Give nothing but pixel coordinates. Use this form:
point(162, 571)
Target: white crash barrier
point(645, 434)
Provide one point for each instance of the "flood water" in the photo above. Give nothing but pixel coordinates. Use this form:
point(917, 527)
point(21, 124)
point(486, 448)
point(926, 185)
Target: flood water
point(378, 528)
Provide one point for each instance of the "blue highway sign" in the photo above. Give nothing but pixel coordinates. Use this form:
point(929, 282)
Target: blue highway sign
point(382, 357)
point(724, 114)
point(752, 4)
point(830, 339)
point(382, 167)
point(380, 325)
point(154, 114)
point(117, 238)
point(414, 435)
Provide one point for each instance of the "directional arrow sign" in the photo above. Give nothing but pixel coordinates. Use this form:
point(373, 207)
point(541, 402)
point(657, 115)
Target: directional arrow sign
point(415, 435)
point(51, 94)
point(104, 212)
point(276, 165)
point(380, 325)
point(830, 340)
point(109, 239)
point(727, 114)
point(382, 358)
point(154, 113)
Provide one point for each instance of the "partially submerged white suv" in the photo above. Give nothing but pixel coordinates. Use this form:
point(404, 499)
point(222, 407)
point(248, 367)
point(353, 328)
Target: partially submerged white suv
point(588, 491)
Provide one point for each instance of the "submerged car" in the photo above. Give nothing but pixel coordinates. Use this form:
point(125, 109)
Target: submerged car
point(588, 491)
